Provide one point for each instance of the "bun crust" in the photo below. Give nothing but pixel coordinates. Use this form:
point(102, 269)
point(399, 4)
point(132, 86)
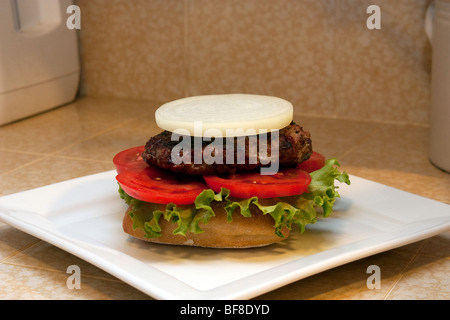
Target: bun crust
point(242, 232)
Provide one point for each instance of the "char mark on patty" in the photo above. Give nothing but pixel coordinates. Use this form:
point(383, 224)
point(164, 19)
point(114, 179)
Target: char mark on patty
point(294, 146)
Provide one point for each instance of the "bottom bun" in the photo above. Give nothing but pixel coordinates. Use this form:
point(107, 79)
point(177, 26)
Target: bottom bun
point(242, 232)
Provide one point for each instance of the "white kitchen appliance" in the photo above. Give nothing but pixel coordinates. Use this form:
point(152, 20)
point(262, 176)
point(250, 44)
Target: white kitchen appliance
point(437, 25)
point(39, 60)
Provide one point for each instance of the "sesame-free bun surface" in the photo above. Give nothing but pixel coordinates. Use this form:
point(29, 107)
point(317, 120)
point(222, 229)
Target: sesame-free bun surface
point(242, 232)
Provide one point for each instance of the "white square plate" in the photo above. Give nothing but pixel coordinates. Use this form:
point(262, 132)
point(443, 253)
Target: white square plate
point(84, 217)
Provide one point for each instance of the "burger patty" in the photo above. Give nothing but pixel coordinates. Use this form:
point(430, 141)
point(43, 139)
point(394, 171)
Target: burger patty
point(294, 147)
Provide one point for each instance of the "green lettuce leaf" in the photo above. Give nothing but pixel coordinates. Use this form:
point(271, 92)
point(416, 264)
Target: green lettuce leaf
point(285, 211)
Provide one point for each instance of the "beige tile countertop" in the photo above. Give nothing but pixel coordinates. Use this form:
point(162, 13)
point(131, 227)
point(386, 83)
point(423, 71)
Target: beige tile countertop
point(81, 139)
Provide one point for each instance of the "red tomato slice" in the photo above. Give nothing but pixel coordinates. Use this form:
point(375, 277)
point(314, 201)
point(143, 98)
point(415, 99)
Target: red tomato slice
point(315, 162)
point(286, 182)
point(158, 186)
point(130, 160)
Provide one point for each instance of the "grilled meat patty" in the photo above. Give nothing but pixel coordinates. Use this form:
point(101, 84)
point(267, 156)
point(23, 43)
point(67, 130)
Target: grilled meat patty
point(294, 146)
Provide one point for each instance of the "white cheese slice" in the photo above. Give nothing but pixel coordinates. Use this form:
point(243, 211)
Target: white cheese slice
point(225, 115)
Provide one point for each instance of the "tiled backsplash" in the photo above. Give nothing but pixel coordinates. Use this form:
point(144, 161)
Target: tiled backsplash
point(319, 54)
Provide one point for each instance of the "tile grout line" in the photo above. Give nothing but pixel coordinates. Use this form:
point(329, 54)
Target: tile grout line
point(4, 260)
point(403, 272)
point(344, 118)
point(22, 152)
point(60, 271)
point(92, 136)
point(83, 159)
point(186, 56)
point(361, 141)
point(335, 52)
point(55, 153)
point(25, 165)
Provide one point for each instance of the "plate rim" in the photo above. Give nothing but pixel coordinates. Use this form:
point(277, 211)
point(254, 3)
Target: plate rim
point(157, 289)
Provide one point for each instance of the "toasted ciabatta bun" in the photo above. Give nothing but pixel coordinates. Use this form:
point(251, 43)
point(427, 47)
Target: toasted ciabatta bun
point(242, 232)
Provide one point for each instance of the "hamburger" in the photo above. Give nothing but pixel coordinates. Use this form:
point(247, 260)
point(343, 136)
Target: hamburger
point(227, 171)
